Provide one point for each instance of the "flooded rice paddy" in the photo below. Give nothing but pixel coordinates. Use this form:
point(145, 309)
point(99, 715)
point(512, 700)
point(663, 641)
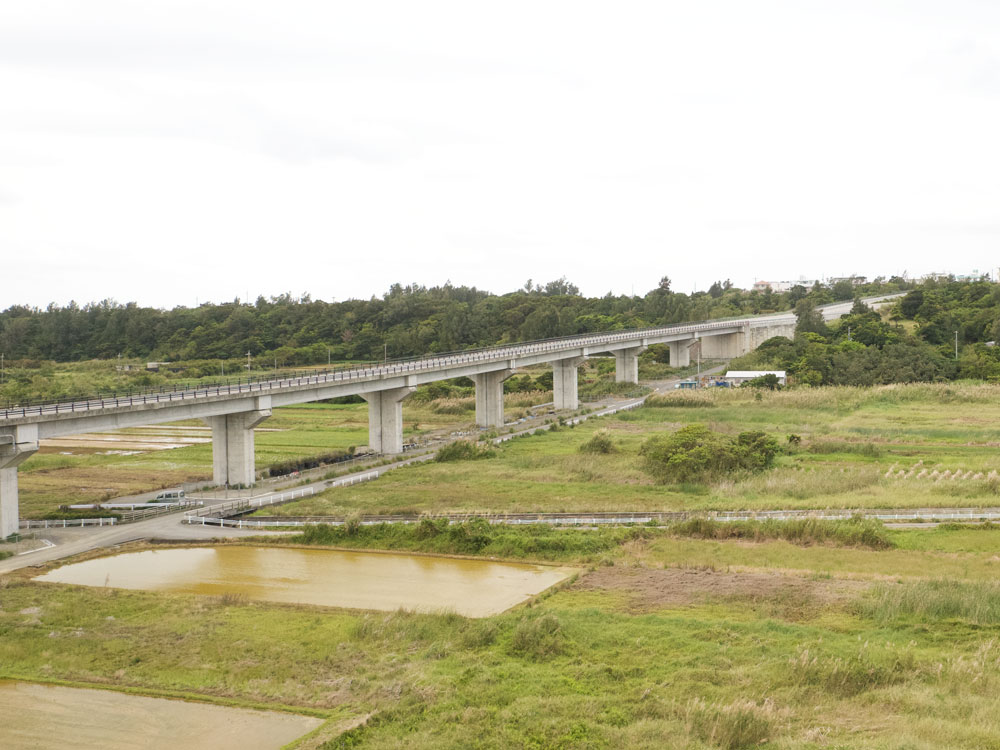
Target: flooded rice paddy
point(332, 578)
point(42, 716)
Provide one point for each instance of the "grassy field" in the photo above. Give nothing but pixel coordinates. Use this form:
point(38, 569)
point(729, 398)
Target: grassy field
point(860, 448)
point(61, 475)
point(50, 478)
point(663, 641)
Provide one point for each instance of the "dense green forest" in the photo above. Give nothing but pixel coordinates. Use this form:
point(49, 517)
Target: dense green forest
point(62, 352)
point(406, 321)
point(941, 330)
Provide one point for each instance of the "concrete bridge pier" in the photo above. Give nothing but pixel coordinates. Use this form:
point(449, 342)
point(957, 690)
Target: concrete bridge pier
point(627, 364)
point(233, 446)
point(680, 352)
point(385, 419)
point(564, 382)
point(16, 446)
point(725, 345)
point(489, 397)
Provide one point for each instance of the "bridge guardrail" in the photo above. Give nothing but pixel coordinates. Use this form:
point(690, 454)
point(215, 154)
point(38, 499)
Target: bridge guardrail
point(393, 367)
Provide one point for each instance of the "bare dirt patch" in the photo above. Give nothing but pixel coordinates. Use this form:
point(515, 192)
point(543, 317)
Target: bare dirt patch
point(651, 589)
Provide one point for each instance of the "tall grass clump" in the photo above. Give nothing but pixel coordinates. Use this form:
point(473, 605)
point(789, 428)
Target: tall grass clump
point(866, 448)
point(602, 388)
point(538, 638)
point(977, 602)
point(856, 532)
point(600, 442)
point(526, 398)
point(681, 399)
point(732, 726)
point(476, 537)
point(866, 669)
point(453, 406)
point(464, 450)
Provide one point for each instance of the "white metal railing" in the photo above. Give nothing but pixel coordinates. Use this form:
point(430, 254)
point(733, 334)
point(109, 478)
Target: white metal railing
point(136, 506)
point(619, 519)
point(218, 515)
point(65, 523)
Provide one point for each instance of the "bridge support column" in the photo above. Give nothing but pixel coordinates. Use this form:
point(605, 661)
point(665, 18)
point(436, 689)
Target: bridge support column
point(680, 353)
point(16, 446)
point(564, 382)
point(385, 419)
point(725, 345)
point(489, 397)
point(627, 364)
point(233, 447)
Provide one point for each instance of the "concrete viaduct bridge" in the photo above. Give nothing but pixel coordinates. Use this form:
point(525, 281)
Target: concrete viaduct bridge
point(232, 411)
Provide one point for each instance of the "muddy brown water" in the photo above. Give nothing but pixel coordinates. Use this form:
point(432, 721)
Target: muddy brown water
point(360, 580)
point(51, 716)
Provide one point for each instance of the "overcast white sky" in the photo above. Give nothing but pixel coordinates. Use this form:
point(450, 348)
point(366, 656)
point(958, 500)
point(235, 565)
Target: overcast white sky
point(177, 152)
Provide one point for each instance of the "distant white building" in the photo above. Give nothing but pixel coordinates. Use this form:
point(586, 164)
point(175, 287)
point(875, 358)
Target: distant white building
point(739, 377)
point(782, 286)
point(855, 280)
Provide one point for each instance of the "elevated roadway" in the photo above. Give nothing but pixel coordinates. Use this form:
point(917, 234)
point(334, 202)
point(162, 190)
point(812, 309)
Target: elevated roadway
point(233, 410)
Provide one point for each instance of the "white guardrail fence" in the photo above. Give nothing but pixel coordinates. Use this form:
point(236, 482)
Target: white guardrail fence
point(926, 515)
point(66, 523)
point(219, 515)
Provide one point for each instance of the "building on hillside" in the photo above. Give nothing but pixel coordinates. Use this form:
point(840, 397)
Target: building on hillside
point(779, 287)
point(739, 377)
point(855, 280)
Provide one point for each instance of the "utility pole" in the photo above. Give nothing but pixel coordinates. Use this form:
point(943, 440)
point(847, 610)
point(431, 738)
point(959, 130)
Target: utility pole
point(2, 355)
point(248, 361)
point(385, 353)
point(848, 333)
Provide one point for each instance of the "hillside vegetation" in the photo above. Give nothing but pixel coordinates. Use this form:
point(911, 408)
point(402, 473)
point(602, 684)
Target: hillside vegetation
point(406, 321)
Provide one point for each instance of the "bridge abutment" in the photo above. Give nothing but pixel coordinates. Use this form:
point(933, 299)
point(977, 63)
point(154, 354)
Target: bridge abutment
point(233, 462)
point(16, 446)
point(385, 419)
point(489, 397)
point(564, 382)
point(627, 364)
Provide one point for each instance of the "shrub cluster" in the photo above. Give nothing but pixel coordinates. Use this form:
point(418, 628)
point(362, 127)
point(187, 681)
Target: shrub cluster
point(601, 442)
point(290, 466)
point(464, 450)
point(477, 536)
point(695, 453)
